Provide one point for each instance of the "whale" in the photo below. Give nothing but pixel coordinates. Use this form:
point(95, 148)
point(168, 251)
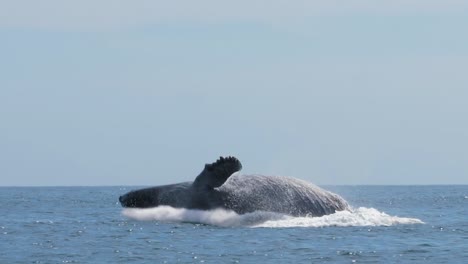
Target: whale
point(220, 185)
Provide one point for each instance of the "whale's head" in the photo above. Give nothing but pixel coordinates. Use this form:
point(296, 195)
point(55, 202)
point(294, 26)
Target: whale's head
point(140, 198)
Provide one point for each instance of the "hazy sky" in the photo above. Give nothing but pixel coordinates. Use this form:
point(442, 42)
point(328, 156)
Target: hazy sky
point(146, 92)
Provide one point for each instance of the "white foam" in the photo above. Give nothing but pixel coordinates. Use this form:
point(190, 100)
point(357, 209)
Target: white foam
point(358, 217)
point(219, 217)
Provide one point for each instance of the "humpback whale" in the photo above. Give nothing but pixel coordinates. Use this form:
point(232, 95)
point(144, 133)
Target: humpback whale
point(220, 186)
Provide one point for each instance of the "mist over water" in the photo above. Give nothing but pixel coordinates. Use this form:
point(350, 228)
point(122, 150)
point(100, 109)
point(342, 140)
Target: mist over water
point(361, 216)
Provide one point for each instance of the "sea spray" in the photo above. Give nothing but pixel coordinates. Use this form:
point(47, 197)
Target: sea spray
point(361, 216)
point(216, 217)
point(225, 218)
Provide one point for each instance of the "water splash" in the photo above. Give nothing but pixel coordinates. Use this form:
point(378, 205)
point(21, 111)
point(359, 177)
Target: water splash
point(219, 217)
point(361, 216)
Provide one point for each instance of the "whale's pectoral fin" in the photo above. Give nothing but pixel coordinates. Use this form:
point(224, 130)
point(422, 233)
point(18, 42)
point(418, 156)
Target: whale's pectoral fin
point(216, 173)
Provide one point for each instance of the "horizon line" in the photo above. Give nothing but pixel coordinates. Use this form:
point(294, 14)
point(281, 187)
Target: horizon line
point(144, 185)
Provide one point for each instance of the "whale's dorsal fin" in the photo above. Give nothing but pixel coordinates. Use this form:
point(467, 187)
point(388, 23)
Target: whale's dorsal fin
point(216, 173)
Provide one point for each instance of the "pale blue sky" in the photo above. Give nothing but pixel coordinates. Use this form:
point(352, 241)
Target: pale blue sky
point(145, 93)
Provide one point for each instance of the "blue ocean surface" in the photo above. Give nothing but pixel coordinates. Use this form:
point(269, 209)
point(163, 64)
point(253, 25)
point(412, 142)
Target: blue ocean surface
point(388, 224)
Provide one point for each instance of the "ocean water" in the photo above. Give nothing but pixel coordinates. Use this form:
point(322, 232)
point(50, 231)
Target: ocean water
point(388, 224)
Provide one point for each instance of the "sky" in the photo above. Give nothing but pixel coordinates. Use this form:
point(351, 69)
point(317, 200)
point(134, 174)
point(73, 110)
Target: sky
point(147, 92)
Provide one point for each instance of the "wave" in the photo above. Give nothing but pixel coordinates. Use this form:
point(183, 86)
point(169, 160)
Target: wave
point(361, 216)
